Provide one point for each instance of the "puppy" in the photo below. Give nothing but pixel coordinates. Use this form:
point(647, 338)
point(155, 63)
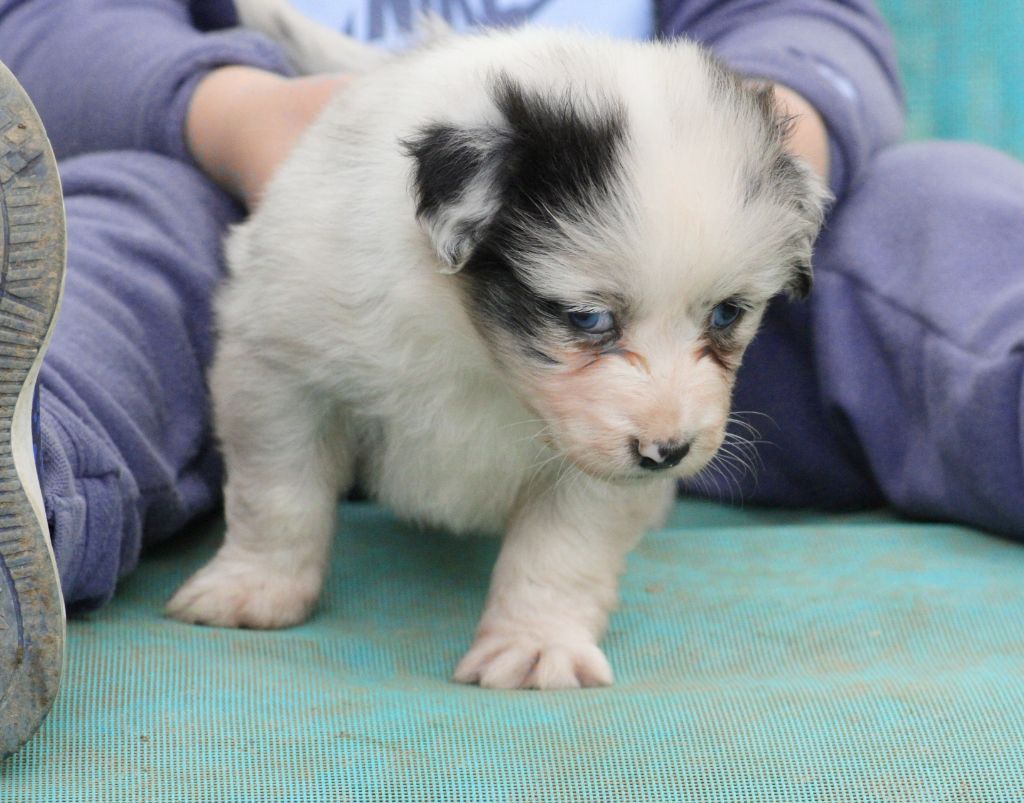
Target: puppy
point(504, 283)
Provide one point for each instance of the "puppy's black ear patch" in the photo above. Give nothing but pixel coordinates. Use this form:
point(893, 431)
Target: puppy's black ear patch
point(453, 198)
point(802, 281)
point(804, 192)
point(791, 182)
point(546, 156)
point(447, 158)
point(564, 151)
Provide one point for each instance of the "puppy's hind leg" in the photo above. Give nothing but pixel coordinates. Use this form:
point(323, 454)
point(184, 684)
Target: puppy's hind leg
point(284, 471)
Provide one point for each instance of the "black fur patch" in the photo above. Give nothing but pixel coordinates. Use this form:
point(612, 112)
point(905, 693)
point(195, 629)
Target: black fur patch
point(802, 280)
point(447, 159)
point(560, 158)
point(551, 156)
point(561, 155)
point(499, 301)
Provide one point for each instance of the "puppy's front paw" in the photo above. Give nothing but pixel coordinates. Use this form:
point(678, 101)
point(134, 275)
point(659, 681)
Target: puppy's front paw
point(232, 593)
point(522, 661)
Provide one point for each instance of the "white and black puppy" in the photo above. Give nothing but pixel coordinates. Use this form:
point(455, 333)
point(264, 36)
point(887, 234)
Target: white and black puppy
point(504, 283)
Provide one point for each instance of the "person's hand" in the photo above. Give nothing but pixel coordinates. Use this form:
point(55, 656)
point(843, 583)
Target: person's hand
point(243, 122)
point(808, 137)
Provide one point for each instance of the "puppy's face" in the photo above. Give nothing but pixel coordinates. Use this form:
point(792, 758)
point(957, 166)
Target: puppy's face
point(617, 258)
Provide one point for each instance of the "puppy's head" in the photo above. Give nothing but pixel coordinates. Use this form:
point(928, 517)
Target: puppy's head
point(616, 247)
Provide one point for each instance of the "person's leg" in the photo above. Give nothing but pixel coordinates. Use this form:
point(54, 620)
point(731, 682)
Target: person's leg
point(919, 330)
point(126, 444)
point(900, 381)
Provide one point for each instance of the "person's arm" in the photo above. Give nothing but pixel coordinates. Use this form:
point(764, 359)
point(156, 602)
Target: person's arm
point(119, 74)
point(243, 122)
point(836, 55)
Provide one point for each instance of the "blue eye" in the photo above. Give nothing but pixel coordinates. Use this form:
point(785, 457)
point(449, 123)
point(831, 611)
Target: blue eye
point(593, 322)
point(725, 314)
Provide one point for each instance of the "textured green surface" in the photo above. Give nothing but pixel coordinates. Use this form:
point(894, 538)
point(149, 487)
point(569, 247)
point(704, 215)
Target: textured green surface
point(963, 65)
point(760, 657)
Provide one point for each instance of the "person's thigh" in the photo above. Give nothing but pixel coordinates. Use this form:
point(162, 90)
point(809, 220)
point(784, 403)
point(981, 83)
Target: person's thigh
point(901, 379)
point(126, 441)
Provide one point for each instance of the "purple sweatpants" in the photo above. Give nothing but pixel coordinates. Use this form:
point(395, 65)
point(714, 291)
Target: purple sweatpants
point(900, 381)
point(126, 444)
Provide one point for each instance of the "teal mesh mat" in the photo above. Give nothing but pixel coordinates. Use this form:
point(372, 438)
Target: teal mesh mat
point(963, 66)
point(760, 657)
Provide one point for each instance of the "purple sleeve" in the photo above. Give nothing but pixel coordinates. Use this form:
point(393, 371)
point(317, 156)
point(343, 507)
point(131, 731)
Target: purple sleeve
point(838, 54)
point(118, 74)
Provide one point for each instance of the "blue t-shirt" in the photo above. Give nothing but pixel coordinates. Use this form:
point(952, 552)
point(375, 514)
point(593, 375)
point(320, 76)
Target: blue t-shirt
point(389, 22)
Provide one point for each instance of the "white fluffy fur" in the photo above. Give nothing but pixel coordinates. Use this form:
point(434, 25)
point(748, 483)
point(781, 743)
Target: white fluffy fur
point(347, 350)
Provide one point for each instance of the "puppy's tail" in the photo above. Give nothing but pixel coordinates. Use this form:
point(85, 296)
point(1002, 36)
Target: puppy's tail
point(310, 47)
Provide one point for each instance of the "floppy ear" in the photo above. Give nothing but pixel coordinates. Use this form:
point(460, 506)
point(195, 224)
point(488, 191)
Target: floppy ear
point(456, 180)
point(548, 155)
point(810, 197)
point(798, 186)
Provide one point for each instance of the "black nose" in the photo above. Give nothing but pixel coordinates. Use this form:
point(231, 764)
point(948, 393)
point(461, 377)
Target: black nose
point(670, 454)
